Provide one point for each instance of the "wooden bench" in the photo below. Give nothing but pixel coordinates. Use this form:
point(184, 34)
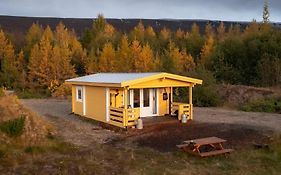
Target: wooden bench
point(216, 152)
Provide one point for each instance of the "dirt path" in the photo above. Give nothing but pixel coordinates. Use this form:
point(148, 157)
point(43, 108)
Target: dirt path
point(70, 127)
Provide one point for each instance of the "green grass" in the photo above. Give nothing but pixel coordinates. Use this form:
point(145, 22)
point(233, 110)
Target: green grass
point(28, 94)
point(109, 159)
point(13, 128)
point(272, 105)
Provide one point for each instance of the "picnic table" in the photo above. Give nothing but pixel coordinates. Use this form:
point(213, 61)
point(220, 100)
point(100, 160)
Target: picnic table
point(205, 147)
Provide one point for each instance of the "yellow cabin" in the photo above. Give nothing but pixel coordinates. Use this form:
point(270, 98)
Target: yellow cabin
point(122, 98)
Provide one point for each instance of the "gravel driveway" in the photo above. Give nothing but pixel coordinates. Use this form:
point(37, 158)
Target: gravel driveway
point(83, 133)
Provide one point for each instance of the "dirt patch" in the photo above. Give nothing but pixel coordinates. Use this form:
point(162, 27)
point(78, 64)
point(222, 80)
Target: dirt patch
point(165, 137)
point(235, 95)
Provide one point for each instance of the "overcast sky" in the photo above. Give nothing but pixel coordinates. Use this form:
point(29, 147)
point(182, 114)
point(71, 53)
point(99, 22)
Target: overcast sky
point(235, 10)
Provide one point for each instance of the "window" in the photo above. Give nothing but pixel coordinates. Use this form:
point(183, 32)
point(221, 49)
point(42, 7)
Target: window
point(79, 94)
point(145, 97)
point(136, 98)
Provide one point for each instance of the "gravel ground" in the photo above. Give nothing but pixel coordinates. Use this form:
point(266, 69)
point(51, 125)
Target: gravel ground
point(219, 115)
point(69, 126)
point(83, 133)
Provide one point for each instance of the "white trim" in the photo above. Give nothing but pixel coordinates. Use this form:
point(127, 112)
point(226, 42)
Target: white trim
point(107, 101)
point(157, 101)
point(84, 100)
point(81, 89)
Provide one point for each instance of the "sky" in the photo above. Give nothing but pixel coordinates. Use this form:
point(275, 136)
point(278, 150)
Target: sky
point(229, 10)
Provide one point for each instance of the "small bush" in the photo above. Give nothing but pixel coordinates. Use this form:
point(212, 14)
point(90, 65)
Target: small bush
point(28, 94)
point(62, 91)
point(272, 105)
point(13, 127)
point(206, 96)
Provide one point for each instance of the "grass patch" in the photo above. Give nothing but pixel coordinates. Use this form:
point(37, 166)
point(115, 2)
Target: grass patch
point(34, 149)
point(29, 94)
point(13, 128)
point(272, 105)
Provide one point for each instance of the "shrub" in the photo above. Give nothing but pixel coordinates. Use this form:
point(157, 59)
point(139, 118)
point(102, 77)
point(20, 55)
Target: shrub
point(271, 105)
point(205, 95)
point(62, 91)
point(13, 127)
point(27, 94)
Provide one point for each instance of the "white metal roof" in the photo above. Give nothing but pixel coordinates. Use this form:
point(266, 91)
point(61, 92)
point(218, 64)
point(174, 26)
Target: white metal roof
point(111, 77)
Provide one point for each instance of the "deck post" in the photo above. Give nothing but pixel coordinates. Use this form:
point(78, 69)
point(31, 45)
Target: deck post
point(190, 102)
point(125, 116)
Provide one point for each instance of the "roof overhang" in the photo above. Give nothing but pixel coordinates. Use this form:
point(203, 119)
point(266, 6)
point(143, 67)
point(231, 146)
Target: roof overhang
point(185, 81)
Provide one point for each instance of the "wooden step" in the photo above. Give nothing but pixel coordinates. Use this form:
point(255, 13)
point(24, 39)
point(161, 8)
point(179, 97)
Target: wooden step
point(216, 152)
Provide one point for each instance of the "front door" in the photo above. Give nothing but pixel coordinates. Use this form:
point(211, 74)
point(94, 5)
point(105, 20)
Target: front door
point(146, 100)
point(146, 105)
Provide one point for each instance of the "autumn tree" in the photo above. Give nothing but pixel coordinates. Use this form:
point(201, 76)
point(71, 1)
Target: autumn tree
point(221, 32)
point(209, 32)
point(195, 42)
point(123, 54)
point(107, 62)
point(49, 63)
point(144, 63)
point(206, 52)
point(135, 51)
point(138, 32)
point(8, 70)
point(32, 37)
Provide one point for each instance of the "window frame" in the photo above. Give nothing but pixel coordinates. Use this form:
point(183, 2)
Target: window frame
point(79, 88)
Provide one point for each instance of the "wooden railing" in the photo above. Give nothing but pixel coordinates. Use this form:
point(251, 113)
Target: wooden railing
point(182, 108)
point(123, 117)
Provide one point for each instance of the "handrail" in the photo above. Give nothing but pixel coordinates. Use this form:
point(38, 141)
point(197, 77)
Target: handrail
point(123, 117)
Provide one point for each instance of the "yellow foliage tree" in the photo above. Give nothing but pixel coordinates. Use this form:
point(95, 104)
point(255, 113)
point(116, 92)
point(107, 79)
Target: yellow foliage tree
point(49, 63)
point(144, 63)
point(149, 32)
point(165, 33)
point(221, 32)
point(107, 61)
point(123, 55)
point(207, 51)
point(8, 71)
point(135, 51)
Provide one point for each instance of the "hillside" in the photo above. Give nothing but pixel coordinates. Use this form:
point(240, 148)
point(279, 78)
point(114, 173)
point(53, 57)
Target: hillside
point(15, 24)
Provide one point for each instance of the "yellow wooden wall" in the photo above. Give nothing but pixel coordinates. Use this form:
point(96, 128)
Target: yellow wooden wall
point(163, 104)
point(116, 97)
point(95, 98)
point(96, 103)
